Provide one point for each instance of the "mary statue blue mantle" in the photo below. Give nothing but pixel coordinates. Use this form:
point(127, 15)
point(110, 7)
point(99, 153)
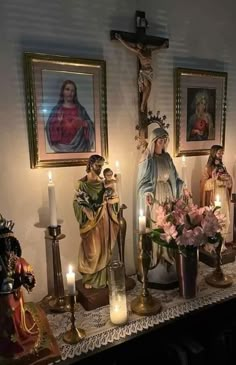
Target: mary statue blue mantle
point(158, 183)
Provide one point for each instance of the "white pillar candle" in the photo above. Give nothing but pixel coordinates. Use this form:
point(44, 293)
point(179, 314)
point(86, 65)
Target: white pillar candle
point(141, 222)
point(118, 182)
point(70, 278)
point(217, 201)
point(118, 309)
point(52, 201)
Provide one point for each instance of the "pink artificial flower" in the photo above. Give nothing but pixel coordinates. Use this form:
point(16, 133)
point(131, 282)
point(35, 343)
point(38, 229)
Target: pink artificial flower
point(178, 216)
point(210, 224)
point(195, 218)
point(191, 237)
point(221, 218)
point(180, 205)
point(170, 232)
point(160, 216)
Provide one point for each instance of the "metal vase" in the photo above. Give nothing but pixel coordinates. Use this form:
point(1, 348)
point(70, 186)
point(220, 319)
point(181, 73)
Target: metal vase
point(187, 271)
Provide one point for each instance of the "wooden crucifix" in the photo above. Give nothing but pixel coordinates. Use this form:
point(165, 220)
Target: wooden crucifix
point(143, 45)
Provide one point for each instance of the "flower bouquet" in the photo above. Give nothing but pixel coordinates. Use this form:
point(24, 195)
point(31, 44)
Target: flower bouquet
point(184, 227)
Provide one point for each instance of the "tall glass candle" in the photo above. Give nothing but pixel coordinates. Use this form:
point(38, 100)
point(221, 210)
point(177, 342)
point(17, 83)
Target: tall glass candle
point(52, 201)
point(117, 293)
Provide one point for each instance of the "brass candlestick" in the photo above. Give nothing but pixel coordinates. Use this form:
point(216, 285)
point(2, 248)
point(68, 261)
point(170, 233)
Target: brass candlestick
point(122, 233)
point(74, 335)
point(130, 283)
point(217, 278)
point(58, 302)
point(145, 304)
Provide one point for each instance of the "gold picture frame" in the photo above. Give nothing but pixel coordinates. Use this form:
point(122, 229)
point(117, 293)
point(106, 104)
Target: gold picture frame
point(200, 110)
point(66, 109)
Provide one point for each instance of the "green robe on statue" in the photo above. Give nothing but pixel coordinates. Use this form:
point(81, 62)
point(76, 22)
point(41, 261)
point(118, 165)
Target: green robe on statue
point(98, 232)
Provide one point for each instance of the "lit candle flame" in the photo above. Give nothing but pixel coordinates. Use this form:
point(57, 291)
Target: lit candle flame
point(50, 176)
point(117, 163)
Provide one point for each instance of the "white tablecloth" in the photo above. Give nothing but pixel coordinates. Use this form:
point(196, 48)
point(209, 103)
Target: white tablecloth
point(100, 331)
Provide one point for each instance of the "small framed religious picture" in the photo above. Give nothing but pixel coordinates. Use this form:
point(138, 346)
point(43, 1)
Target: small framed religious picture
point(200, 110)
point(66, 109)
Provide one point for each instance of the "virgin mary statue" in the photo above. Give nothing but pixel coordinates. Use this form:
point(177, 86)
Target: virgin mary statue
point(158, 183)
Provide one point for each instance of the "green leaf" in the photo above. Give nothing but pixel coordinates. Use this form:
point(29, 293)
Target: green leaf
point(156, 237)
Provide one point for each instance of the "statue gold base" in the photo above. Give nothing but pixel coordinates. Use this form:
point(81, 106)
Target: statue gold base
point(145, 305)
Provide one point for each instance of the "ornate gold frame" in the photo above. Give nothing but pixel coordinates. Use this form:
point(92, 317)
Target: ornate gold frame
point(188, 82)
point(61, 68)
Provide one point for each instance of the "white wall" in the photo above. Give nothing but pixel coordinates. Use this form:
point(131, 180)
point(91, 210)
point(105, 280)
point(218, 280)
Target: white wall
point(201, 35)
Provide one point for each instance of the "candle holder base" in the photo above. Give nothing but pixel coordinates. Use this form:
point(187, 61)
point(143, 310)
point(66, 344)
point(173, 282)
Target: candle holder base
point(219, 280)
point(74, 335)
point(58, 305)
point(146, 305)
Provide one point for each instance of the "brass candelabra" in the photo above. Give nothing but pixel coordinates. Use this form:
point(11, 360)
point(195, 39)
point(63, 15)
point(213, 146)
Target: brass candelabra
point(122, 233)
point(74, 334)
point(145, 303)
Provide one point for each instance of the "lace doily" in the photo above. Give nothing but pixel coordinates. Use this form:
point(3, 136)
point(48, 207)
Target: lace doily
point(100, 331)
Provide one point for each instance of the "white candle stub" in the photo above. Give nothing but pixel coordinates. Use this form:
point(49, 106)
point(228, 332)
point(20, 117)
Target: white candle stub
point(70, 278)
point(118, 182)
point(183, 160)
point(52, 201)
point(117, 163)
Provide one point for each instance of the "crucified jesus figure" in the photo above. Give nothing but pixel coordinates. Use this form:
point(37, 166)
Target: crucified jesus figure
point(145, 78)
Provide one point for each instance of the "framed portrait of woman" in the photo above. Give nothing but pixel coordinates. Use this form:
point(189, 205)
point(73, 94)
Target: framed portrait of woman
point(200, 110)
point(66, 109)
